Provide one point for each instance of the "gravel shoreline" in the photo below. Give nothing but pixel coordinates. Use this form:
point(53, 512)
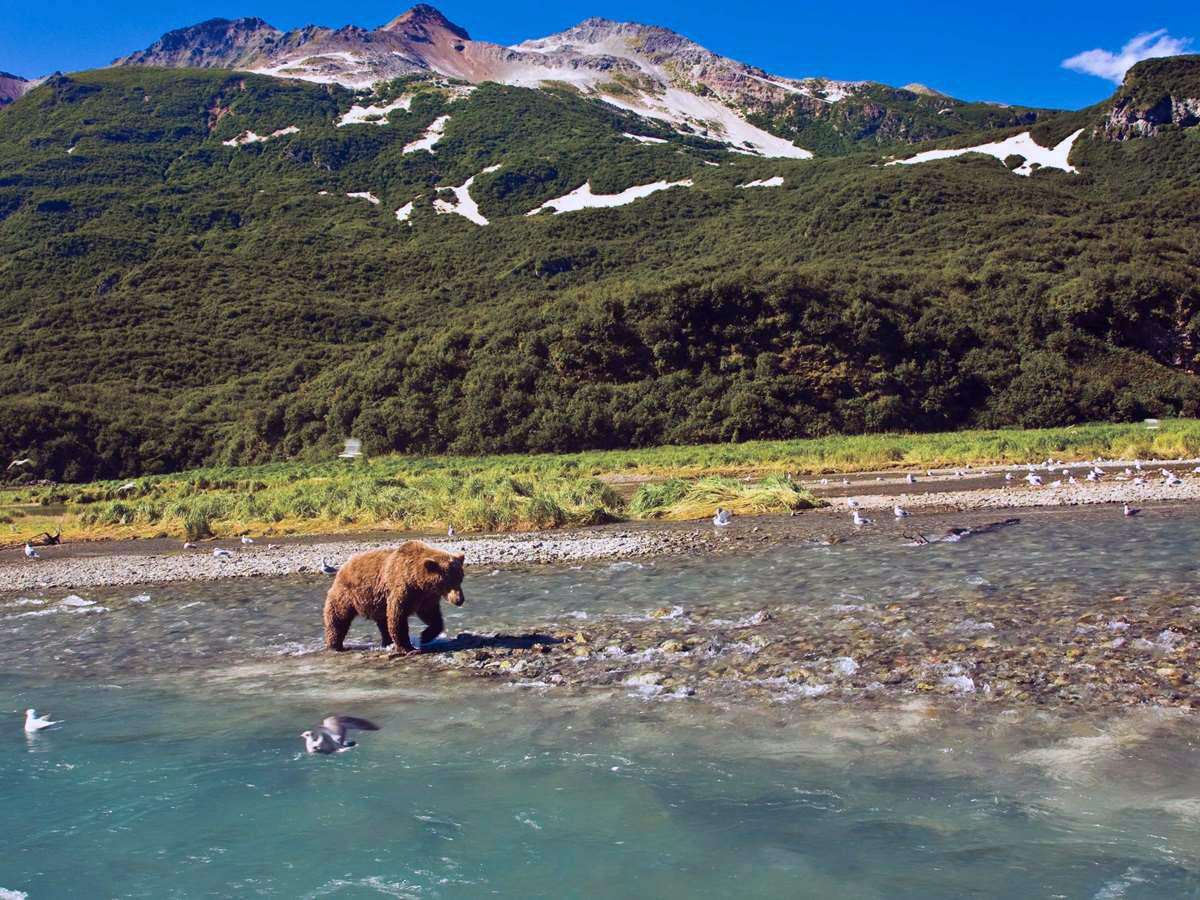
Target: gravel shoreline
point(1056, 652)
point(931, 498)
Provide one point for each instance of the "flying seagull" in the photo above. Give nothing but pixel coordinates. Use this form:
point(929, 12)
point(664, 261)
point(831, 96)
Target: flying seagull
point(30, 553)
point(331, 736)
point(26, 461)
point(35, 723)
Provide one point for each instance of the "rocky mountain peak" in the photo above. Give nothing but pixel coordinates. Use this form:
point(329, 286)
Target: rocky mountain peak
point(215, 43)
point(424, 22)
point(12, 87)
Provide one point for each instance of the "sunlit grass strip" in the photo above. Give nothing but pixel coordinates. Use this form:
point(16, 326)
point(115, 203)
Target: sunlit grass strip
point(681, 499)
point(522, 492)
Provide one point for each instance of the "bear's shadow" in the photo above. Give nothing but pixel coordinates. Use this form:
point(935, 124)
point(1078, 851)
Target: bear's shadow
point(467, 641)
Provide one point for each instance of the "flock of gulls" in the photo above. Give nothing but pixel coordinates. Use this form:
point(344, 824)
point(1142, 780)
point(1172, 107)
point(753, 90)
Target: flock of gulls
point(332, 735)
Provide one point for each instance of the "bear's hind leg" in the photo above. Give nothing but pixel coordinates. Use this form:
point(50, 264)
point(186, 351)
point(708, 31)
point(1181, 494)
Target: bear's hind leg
point(433, 619)
point(337, 625)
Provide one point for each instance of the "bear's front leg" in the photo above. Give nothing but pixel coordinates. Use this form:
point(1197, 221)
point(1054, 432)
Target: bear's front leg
point(397, 617)
point(433, 619)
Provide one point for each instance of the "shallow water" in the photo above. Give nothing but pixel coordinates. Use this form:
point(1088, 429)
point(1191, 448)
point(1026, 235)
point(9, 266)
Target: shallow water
point(178, 772)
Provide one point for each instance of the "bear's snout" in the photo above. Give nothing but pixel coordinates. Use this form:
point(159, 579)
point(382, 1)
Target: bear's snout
point(455, 597)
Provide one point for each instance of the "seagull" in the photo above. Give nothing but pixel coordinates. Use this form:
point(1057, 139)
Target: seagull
point(1196, 470)
point(852, 503)
point(824, 481)
point(188, 545)
point(1093, 475)
point(327, 568)
point(30, 553)
point(910, 478)
point(1131, 511)
point(900, 512)
point(1033, 479)
point(450, 531)
point(331, 736)
point(26, 461)
point(35, 723)
point(859, 519)
point(1174, 481)
point(845, 481)
point(722, 518)
point(222, 553)
point(1008, 476)
point(246, 539)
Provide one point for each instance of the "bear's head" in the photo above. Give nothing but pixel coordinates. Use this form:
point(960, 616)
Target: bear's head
point(449, 571)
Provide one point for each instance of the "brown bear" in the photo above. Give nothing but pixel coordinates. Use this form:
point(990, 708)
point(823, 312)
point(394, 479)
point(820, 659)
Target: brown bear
point(388, 586)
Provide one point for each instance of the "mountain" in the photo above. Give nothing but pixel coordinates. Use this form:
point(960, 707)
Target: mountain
point(206, 265)
point(648, 70)
point(12, 87)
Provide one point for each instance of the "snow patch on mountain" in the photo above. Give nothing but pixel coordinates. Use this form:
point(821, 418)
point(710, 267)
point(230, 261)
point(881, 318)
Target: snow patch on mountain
point(776, 181)
point(645, 138)
point(708, 118)
point(249, 137)
point(583, 198)
point(1036, 156)
point(429, 139)
point(365, 195)
point(332, 67)
point(373, 115)
point(464, 204)
point(404, 213)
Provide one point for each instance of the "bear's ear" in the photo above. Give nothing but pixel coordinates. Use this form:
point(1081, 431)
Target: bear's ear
point(431, 565)
point(459, 557)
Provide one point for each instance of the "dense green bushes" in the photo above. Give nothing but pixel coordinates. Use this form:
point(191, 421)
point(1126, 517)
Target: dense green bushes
point(167, 302)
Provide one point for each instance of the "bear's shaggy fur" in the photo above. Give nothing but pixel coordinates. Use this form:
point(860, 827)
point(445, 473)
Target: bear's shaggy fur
point(388, 586)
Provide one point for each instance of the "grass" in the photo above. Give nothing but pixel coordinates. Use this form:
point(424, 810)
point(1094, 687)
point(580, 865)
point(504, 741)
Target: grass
point(538, 491)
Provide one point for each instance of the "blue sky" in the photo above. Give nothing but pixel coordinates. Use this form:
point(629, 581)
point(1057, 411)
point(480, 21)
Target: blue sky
point(1011, 52)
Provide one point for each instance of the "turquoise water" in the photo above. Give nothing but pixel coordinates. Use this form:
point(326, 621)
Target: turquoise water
point(179, 771)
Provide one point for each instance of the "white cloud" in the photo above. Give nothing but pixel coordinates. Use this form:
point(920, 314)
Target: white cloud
point(1113, 66)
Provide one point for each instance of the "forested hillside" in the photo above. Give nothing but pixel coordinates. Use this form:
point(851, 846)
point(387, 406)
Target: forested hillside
point(171, 296)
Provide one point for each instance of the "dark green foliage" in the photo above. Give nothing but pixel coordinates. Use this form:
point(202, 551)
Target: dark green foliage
point(167, 301)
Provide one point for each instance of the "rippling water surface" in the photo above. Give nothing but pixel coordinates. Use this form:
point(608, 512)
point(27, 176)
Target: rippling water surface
point(178, 771)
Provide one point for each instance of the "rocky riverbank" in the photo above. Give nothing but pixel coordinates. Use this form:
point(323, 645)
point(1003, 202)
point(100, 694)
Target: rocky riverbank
point(1056, 651)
